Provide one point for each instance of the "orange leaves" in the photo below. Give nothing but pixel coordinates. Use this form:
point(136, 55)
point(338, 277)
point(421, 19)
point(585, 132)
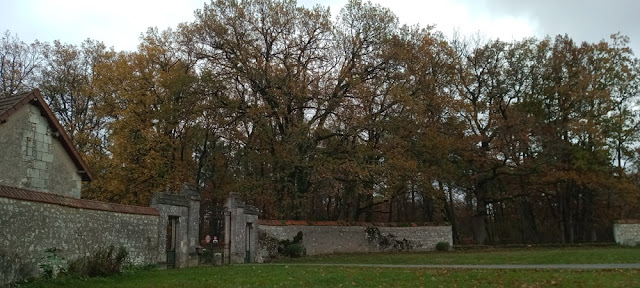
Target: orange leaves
point(152, 108)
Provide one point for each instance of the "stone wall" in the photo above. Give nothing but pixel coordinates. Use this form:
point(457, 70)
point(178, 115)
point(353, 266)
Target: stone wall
point(33, 222)
point(338, 237)
point(627, 232)
point(33, 156)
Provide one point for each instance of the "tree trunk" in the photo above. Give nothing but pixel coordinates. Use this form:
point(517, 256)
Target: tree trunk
point(478, 221)
point(563, 217)
point(391, 201)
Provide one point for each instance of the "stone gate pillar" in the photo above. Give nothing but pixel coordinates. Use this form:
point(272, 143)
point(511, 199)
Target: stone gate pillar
point(180, 221)
point(243, 228)
point(190, 192)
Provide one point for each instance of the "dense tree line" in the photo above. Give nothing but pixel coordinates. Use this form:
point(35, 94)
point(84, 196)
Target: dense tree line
point(353, 118)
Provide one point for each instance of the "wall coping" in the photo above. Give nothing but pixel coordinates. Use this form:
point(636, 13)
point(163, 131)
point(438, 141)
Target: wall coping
point(160, 198)
point(627, 221)
point(266, 222)
point(35, 196)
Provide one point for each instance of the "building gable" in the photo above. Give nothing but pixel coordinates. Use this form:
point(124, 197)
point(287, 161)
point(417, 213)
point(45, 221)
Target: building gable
point(35, 151)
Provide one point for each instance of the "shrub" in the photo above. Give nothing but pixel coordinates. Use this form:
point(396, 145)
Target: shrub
point(402, 245)
point(374, 236)
point(383, 242)
point(268, 246)
point(51, 264)
point(443, 246)
point(104, 262)
point(292, 248)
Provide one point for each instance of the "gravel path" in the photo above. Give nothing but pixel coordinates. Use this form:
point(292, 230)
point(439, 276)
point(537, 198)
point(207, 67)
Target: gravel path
point(499, 266)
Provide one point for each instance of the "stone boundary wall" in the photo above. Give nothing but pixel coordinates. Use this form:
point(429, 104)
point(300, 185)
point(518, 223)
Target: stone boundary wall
point(627, 232)
point(343, 237)
point(34, 196)
point(32, 222)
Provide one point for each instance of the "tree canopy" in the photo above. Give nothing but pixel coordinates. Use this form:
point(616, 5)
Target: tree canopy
point(355, 118)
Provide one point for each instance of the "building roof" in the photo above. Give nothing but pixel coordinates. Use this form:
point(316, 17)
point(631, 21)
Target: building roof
point(11, 104)
point(34, 196)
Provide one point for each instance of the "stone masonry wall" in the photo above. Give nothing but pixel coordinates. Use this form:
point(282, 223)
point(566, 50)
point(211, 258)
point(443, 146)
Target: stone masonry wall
point(321, 239)
point(31, 227)
point(33, 157)
point(627, 232)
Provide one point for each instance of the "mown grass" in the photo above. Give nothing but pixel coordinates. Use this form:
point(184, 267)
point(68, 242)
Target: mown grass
point(288, 274)
point(572, 255)
point(314, 276)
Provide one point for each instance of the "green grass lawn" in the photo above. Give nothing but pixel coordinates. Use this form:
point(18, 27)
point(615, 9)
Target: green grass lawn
point(291, 275)
point(572, 255)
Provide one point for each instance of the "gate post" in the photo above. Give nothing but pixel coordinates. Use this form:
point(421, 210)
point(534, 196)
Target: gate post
point(183, 211)
point(243, 230)
point(193, 222)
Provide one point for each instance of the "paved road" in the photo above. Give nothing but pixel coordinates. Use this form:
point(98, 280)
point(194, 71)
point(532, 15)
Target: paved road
point(500, 266)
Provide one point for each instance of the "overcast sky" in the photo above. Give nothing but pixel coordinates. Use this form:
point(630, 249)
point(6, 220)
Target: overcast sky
point(120, 22)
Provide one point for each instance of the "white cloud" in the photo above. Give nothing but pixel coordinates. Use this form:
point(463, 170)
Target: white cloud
point(451, 15)
point(119, 23)
point(448, 16)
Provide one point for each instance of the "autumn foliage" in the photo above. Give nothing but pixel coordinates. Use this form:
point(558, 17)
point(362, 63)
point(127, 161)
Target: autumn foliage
point(354, 118)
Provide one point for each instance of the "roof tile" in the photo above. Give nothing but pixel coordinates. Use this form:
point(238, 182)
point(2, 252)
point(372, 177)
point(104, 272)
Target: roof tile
point(268, 222)
point(34, 196)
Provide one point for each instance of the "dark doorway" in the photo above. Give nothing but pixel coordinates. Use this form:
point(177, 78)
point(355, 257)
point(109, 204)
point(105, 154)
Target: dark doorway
point(172, 234)
point(247, 243)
